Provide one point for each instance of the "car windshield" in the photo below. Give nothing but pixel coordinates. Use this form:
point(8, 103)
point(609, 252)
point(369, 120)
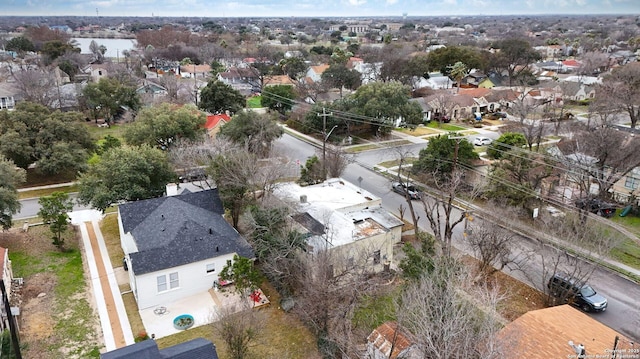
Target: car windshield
point(411, 189)
point(587, 291)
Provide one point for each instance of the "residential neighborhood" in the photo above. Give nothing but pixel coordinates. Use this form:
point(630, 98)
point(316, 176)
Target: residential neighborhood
point(401, 186)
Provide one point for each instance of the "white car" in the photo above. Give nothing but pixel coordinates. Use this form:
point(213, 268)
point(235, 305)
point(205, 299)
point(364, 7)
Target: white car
point(482, 141)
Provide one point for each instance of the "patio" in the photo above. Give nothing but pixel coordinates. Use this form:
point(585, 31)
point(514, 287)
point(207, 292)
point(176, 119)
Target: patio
point(202, 306)
point(159, 320)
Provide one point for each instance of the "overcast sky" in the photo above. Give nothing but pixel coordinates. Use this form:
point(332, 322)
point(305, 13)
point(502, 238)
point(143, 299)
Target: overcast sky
point(313, 8)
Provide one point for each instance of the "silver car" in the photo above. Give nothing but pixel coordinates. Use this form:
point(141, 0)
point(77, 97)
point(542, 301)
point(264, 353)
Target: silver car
point(406, 189)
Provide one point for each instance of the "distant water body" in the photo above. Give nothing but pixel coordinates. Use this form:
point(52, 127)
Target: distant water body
point(114, 46)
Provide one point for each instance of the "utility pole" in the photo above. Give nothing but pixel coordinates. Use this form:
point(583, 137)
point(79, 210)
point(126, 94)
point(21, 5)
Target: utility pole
point(325, 136)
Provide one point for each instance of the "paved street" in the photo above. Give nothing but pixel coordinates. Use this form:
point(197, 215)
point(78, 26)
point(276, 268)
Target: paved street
point(623, 313)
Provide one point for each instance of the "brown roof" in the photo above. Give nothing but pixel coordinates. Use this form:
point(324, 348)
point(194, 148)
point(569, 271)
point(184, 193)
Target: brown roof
point(278, 80)
point(319, 69)
point(475, 92)
point(545, 333)
point(383, 339)
point(195, 68)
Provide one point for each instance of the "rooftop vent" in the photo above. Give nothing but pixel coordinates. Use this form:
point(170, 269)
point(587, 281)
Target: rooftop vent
point(303, 198)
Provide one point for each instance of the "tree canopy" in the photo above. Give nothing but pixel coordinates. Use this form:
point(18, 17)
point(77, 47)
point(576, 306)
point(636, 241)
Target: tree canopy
point(160, 126)
point(255, 131)
point(504, 143)
point(10, 177)
point(105, 98)
point(20, 44)
point(514, 55)
point(278, 98)
point(218, 97)
point(125, 174)
point(443, 58)
point(439, 156)
point(53, 211)
point(339, 76)
point(55, 141)
point(385, 102)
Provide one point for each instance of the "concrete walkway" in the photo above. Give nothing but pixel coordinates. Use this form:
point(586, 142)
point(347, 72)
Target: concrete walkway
point(57, 185)
point(113, 317)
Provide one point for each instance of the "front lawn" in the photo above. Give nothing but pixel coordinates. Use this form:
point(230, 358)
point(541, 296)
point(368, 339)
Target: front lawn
point(254, 102)
point(57, 318)
point(445, 126)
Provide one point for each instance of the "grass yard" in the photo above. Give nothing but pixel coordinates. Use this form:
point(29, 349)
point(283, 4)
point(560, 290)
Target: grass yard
point(627, 252)
point(58, 320)
point(46, 191)
point(98, 133)
point(254, 102)
point(396, 163)
point(445, 126)
point(419, 131)
point(111, 234)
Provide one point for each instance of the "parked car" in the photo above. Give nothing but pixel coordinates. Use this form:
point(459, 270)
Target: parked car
point(597, 206)
point(482, 141)
point(576, 293)
point(497, 115)
point(441, 117)
point(404, 189)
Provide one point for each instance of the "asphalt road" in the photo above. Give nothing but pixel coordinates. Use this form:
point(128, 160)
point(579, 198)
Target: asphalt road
point(623, 313)
point(30, 207)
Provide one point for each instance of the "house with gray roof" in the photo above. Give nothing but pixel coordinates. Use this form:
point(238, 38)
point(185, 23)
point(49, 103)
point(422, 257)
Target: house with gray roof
point(175, 246)
point(198, 348)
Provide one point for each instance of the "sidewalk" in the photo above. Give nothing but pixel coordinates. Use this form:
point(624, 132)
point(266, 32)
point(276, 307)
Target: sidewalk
point(113, 317)
point(57, 185)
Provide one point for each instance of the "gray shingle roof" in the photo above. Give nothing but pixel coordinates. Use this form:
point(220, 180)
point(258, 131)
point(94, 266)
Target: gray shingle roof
point(198, 348)
point(177, 230)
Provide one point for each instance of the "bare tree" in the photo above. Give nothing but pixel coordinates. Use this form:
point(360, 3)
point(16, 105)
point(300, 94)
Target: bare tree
point(336, 160)
point(441, 213)
point(602, 154)
point(449, 318)
point(35, 85)
point(492, 245)
point(546, 257)
point(241, 328)
point(621, 91)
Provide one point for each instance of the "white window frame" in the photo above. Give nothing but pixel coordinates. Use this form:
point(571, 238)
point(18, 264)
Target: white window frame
point(210, 268)
point(167, 282)
point(174, 280)
point(161, 282)
point(631, 182)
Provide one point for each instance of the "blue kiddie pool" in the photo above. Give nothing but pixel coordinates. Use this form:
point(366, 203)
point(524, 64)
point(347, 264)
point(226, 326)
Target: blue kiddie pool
point(183, 321)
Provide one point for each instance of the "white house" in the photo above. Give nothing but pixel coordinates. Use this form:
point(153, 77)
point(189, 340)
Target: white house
point(314, 73)
point(175, 246)
point(343, 218)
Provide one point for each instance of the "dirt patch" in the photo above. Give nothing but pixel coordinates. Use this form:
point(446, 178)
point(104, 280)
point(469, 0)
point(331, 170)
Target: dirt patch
point(37, 321)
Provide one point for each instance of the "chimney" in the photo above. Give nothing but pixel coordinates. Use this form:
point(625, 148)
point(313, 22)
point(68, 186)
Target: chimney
point(172, 189)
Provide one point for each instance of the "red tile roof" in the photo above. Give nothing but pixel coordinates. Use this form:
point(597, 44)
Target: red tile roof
point(214, 120)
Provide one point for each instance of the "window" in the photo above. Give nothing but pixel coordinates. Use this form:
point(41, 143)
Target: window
point(211, 268)
point(162, 283)
point(173, 280)
point(376, 257)
point(631, 182)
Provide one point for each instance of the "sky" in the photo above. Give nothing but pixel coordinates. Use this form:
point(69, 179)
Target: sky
point(313, 8)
